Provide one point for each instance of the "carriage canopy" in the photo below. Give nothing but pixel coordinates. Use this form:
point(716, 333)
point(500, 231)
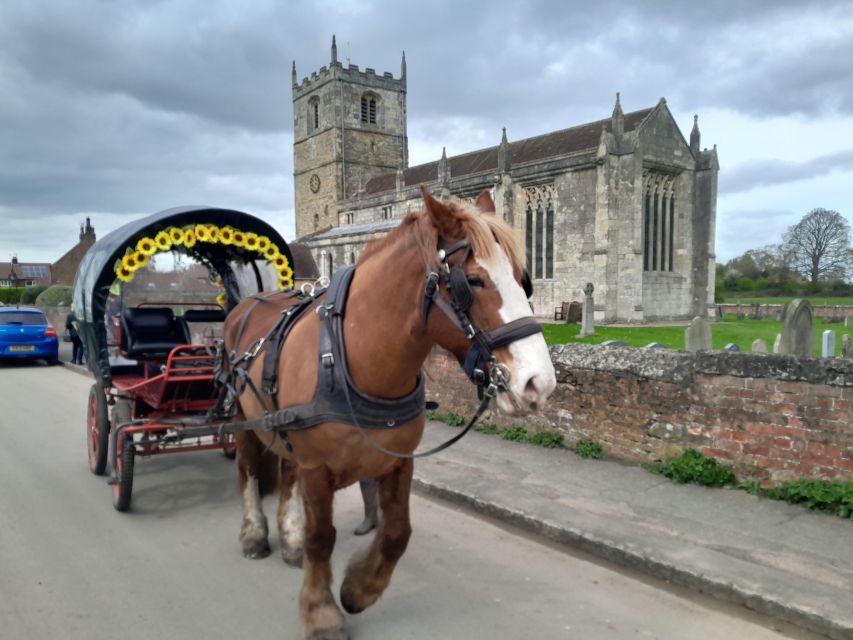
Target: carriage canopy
point(230, 243)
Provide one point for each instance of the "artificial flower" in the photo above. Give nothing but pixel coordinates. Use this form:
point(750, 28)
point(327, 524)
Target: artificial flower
point(221, 299)
point(189, 238)
point(213, 233)
point(176, 235)
point(251, 241)
point(147, 246)
point(201, 233)
point(141, 259)
point(263, 243)
point(239, 238)
point(226, 235)
point(271, 252)
point(124, 274)
point(129, 262)
point(163, 241)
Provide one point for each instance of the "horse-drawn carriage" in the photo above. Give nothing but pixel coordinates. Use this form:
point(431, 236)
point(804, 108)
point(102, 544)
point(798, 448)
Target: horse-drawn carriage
point(154, 362)
point(336, 392)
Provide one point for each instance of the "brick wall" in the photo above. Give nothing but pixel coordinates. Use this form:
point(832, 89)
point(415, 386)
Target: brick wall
point(772, 417)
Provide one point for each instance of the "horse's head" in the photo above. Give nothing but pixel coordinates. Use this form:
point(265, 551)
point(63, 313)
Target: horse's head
point(476, 279)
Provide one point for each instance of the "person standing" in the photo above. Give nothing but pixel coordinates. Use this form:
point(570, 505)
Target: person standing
point(76, 342)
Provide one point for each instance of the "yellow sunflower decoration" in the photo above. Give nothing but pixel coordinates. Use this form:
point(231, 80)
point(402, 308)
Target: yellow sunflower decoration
point(138, 256)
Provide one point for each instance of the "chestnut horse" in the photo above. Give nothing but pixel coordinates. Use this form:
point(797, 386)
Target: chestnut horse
point(390, 325)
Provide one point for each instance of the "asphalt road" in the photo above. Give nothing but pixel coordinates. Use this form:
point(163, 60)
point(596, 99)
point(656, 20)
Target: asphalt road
point(72, 567)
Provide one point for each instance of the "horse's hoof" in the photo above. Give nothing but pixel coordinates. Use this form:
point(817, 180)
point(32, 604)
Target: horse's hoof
point(256, 550)
point(368, 525)
point(292, 558)
point(349, 607)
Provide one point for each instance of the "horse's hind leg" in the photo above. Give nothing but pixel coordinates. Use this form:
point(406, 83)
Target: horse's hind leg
point(369, 572)
point(253, 531)
point(370, 497)
point(320, 615)
point(291, 515)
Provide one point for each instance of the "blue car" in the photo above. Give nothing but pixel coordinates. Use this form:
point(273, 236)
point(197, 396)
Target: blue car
point(26, 333)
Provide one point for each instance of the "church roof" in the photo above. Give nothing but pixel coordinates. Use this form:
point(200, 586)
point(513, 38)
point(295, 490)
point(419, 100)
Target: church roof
point(556, 143)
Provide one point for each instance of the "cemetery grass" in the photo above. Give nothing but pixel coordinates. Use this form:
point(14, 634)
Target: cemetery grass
point(723, 332)
point(745, 297)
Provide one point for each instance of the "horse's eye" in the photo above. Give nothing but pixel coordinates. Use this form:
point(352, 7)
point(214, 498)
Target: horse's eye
point(475, 281)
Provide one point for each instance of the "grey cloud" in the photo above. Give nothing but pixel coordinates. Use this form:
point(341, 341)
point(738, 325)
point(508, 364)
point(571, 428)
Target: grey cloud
point(763, 173)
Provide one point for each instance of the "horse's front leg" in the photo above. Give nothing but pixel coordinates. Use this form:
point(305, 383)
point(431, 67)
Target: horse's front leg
point(369, 572)
point(253, 530)
point(320, 615)
point(291, 515)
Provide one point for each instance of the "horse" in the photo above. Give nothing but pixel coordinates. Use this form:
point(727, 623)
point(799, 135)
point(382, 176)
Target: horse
point(449, 275)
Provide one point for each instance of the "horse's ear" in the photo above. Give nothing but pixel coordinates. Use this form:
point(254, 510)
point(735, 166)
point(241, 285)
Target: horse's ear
point(484, 203)
point(440, 214)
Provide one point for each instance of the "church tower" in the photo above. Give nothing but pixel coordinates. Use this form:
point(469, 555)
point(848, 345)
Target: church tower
point(348, 127)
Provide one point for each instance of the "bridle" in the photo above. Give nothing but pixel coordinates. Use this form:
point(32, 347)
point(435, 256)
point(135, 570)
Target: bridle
point(480, 364)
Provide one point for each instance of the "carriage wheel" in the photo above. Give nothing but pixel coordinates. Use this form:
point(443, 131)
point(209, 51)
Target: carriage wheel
point(97, 430)
point(123, 486)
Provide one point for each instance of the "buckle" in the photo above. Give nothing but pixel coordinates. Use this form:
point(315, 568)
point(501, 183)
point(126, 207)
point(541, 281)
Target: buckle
point(328, 359)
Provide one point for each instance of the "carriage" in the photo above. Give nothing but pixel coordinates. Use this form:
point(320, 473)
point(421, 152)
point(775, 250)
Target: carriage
point(154, 359)
point(336, 388)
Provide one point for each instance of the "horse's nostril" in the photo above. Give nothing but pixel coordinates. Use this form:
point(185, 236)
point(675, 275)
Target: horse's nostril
point(531, 389)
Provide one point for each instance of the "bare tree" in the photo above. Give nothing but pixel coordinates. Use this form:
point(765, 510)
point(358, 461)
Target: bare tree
point(818, 246)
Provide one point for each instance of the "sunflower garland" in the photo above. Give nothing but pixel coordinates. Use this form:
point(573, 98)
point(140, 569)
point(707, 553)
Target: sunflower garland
point(138, 256)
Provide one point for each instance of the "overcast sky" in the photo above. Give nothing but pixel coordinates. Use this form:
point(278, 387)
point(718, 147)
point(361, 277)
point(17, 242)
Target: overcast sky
point(118, 109)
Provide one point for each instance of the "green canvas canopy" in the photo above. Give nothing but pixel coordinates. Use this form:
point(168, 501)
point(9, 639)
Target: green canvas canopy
point(96, 273)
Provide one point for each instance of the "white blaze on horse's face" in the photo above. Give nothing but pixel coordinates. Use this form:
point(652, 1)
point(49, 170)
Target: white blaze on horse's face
point(533, 377)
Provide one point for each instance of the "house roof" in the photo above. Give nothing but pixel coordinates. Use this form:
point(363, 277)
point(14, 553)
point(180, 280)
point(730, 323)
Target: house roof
point(25, 270)
point(556, 143)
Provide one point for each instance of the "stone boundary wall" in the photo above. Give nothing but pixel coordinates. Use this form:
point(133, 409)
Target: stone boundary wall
point(772, 417)
point(820, 311)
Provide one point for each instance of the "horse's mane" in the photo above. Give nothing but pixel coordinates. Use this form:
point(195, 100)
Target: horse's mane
point(481, 231)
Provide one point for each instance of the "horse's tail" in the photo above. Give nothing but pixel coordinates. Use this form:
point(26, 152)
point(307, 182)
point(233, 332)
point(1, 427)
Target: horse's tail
point(268, 473)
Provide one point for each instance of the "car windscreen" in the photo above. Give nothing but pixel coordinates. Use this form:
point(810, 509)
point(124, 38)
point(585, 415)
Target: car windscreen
point(22, 317)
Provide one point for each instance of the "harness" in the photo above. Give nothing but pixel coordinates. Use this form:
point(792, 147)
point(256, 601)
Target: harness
point(336, 398)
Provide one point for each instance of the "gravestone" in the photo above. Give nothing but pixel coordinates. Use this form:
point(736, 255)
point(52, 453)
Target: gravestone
point(720, 312)
point(575, 312)
point(797, 328)
point(777, 316)
point(848, 321)
point(846, 347)
point(827, 344)
point(759, 346)
point(731, 347)
point(588, 321)
point(777, 343)
point(654, 345)
point(697, 336)
point(614, 343)
point(755, 312)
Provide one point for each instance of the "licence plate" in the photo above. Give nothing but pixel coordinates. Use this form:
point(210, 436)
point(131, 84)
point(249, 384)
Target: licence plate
point(22, 347)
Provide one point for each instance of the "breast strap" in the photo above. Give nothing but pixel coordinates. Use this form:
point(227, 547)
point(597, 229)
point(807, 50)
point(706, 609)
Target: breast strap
point(336, 398)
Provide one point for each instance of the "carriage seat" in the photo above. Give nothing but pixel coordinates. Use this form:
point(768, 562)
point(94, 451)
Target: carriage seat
point(152, 332)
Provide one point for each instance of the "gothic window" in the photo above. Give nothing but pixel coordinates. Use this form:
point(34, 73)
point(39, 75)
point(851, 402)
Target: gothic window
point(351, 257)
point(349, 217)
point(386, 213)
point(658, 222)
point(313, 114)
point(368, 108)
point(539, 227)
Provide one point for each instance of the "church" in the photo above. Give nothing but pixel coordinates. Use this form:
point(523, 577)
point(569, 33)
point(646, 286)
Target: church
point(625, 203)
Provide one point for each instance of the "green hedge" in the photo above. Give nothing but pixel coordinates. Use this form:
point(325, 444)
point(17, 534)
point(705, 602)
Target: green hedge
point(55, 296)
point(11, 295)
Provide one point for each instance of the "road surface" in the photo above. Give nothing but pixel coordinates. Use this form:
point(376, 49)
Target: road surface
point(71, 567)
